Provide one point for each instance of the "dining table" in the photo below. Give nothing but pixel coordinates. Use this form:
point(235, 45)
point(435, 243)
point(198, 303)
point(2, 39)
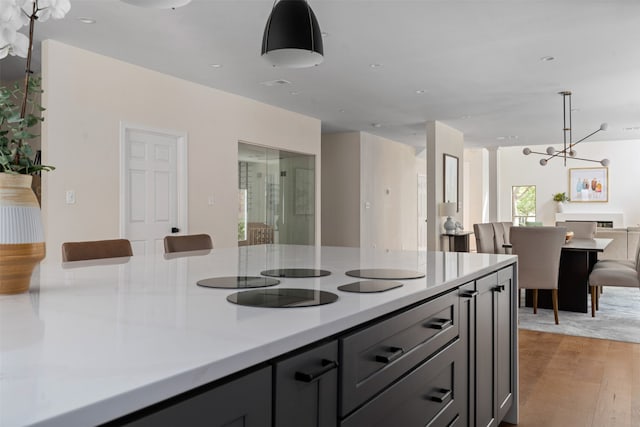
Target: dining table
point(577, 259)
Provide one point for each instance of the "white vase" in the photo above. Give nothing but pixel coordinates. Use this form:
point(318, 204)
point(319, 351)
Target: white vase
point(21, 233)
point(559, 207)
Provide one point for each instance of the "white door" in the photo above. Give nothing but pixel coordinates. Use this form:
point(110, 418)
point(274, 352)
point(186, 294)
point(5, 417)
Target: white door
point(151, 200)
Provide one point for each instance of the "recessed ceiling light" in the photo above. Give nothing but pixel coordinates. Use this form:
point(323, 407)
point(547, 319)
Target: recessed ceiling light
point(465, 117)
point(547, 58)
point(632, 128)
point(86, 20)
point(501, 138)
point(376, 125)
point(278, 82)
point(421, 91)
point(216, 65)
point(341, 110)
point(293, 92)
point(375, 65)
point(324, 34)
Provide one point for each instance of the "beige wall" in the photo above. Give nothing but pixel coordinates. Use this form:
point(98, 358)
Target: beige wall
point(341, 189)
point(87, 96)
point(384, 175)
point(389, 191)
point(441, 139)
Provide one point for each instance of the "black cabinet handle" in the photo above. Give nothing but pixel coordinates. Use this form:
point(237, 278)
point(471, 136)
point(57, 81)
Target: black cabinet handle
point(440, 324)
point(175, 230)
point(307, 377)
point(469, 294)
point(395, 353)
point(440, 395)
point(499, 288)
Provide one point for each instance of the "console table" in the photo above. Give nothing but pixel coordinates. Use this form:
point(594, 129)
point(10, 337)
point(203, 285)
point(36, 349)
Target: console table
point(459, 241)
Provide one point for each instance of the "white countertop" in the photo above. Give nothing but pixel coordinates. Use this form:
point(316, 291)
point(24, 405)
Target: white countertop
point(94, 342)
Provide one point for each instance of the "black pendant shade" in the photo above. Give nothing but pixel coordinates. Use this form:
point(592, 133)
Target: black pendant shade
point(292, 36)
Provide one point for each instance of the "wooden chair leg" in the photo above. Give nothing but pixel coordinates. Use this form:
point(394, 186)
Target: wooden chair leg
point(598, 292)
point(535, 301)
point(554, 298)
point(594, 291)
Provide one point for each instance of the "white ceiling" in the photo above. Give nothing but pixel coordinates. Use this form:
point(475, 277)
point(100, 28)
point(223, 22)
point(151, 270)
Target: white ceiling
point(478, 61)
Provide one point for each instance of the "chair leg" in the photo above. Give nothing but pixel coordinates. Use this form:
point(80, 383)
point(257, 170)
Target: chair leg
point(594, 290)
point(598, 292)
point(519, 298)
point(535, 301)
point(554, 297)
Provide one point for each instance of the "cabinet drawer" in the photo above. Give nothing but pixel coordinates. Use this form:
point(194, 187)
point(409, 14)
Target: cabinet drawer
point(374, 357)
point(431, 395)
point(306, 388)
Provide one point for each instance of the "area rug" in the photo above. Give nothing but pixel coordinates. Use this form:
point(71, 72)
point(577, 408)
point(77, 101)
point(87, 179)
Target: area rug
point(618, 318)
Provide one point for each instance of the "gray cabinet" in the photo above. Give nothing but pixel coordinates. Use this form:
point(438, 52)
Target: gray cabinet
point(306, 388)
point(487, 316)
point(240, 402)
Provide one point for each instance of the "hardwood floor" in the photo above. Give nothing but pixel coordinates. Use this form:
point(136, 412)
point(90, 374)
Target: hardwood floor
point(568, 381)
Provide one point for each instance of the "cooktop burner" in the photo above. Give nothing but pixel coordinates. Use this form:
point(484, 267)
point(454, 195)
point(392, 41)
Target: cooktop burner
point(237, 282)
point(385, 273)
point(370, 286)
point(282, 298)
point(295, 272)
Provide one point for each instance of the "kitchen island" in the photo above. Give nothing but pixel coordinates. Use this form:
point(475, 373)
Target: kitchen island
point(95, 341)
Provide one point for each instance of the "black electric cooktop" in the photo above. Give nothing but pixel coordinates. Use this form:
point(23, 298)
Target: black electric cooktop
point(282, 298)
point(237, 282)
point(370, 286)
point(386, 274)
point(295, 272)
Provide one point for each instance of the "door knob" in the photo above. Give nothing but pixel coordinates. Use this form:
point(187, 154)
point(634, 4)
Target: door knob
point(175, 230)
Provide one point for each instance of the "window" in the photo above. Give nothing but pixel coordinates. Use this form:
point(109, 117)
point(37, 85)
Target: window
point(523, 204)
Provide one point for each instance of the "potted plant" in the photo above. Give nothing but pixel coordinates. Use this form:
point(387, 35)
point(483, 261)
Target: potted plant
point(21, 234)
point(560, 198)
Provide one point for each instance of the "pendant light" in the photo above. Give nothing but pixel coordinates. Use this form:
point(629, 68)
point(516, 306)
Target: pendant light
point(292, 37)
point(568, 151)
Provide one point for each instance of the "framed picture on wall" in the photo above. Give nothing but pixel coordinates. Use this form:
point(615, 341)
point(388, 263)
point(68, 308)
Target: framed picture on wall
point(451, 180)
point(589, 185)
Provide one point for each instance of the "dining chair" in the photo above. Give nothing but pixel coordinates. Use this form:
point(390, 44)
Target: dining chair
point(484, 234)
point(610, 272)
point(538, 250)
point(190, 242)
point(96, 249)
point(581, 229)
point(501, 233)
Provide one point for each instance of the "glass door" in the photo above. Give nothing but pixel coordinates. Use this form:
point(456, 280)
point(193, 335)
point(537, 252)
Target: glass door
point(276, 196)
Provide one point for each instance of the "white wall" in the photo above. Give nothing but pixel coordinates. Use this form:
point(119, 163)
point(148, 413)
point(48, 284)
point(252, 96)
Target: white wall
point(441, 139)
point(518, 169)
point(389, 194)
point(88, 95)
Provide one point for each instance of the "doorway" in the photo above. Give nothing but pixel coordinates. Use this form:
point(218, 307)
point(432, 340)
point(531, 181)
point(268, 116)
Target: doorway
point(153, 186)
point(276, 196)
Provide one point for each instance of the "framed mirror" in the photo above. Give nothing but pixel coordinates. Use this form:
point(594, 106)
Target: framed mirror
point(450, 193)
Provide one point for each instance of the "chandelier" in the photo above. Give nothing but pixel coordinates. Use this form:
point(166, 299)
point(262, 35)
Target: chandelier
point(568, 150)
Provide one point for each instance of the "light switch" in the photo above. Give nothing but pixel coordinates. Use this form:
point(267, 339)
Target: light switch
point(71, 197)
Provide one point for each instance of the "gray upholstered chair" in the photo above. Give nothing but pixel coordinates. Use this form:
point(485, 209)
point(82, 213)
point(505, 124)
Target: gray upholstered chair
point(485, 242)
point(501, 237)
point(192, 242)
point(613, 273)
point(581, 229)
point(538, 250)
point(96, 249)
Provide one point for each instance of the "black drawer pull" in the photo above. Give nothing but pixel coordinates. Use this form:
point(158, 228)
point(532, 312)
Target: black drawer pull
point(440, 324)
point(307, 377)
point(499, 288)
point(469, 294)
point(442, 395)
point(395, 353)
